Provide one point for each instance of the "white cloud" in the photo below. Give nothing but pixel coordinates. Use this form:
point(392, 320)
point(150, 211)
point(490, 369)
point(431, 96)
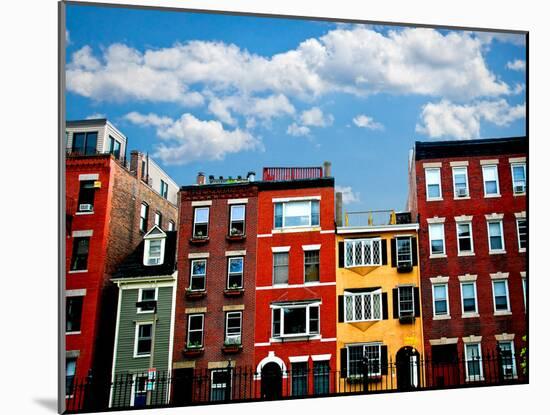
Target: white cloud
point(95, 115)
point(512, 38)
point(517, 65)
point(348, 195)
point(261, 108)
point(314, 117)
point(67, 37)
point(297, 130)
point(364, 121)
point(448, 120)
point(189, 139)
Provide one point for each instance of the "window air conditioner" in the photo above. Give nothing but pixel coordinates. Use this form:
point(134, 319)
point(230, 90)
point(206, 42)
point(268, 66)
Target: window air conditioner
point(85, 207)
point(461, 192)
point(519, 189)
point(153, 261)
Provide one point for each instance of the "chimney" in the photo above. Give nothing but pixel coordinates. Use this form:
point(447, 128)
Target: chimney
point(338, 209)
point(251, 176)
point(327, 165)
point(200, 178)
point(135, 165)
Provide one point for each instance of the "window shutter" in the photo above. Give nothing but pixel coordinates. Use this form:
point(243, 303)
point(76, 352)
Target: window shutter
point(384, 252)
point(395, 297)
point(416, 302)
point(340, 309)
point(341, 254)
point(414, 251)
point(393, 253)
point(343, 362)
point(384, 359)
point(385, 306)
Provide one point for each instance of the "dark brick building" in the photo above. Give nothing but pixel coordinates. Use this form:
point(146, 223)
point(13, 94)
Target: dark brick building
point(470, 198)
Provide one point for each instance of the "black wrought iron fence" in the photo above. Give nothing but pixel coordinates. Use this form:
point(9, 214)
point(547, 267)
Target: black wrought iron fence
point(182, 387)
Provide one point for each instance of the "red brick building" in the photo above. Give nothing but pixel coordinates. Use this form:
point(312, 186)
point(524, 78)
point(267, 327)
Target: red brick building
point(105, 221)
point(214, 318)
point(470, 198)
point(295, 337)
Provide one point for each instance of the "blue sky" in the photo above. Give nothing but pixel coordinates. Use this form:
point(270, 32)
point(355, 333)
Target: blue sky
point(228, 94)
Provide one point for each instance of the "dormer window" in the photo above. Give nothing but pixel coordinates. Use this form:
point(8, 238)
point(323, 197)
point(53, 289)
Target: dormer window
point(153, 250)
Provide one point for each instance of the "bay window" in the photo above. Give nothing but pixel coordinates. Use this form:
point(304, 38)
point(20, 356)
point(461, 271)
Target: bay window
point(365, 306)
point(295, 319)
point(362, 252)
point(302, 213)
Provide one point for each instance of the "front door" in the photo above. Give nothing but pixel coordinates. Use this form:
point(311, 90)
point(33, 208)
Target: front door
point(272, 381)
point(407, 363)
point(182, 392)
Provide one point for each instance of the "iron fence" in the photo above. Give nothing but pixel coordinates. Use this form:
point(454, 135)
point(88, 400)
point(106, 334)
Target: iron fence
point(183, 387)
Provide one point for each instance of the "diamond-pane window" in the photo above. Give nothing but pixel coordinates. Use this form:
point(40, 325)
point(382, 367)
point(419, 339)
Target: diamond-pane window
point(365, 306)
point(363, 252)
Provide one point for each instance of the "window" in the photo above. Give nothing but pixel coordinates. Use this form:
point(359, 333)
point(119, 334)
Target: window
point(362, 252)
point(469, 297)
point(163, 189)
point(518, 178)
point(70, 370)
point(154, 252)
point(146, 294)
point(85, 143)
point(299, 213)
point(235, 272)
point(236, 220)
point(295, 320)
point(73, 315)
point(195, 330)
point(366, 306)
point(81, 247)
point(86, 196)
point(280, 268)
point(490, 181)
point(114, 147)
point(433, 183)
point(143, 169)
point(200, 224)
point(464, 236)
point(158, 219)
point(220, 384)
point(198, 275)
point(299, 372)
point(474, 368)
point(143, 214)
point(437, 238)
point(507, 359)
point(500, 295)
point(370, 353)
point(441, 299)
point(406, 301)
point(233, 327)
point(144, 332)
point(524, 286)
point(321, 377)
point(171, 225)
point(311, 266)
point(496, 238)
point(522, 234)
point(404, 251)
point(460, 181)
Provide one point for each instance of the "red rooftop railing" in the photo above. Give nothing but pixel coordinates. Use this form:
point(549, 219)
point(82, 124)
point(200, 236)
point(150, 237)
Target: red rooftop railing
point(272, 174)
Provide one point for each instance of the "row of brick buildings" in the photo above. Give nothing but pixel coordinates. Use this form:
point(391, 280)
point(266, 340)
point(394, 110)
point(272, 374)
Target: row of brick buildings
point(264, 288)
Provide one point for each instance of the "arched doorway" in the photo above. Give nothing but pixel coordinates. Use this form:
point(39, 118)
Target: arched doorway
point(407, 363)
point(272, 381)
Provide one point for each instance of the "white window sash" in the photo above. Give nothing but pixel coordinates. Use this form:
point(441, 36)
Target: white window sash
point(470, 237)
point(462, 297)
point(280, 309)
point(505, 282)
point(371, 242)
point(456, 172)
point(363, 296)
point(501, 235)
point(201, 330)
point(490, 174)
point(431, 227)
point(440, 299)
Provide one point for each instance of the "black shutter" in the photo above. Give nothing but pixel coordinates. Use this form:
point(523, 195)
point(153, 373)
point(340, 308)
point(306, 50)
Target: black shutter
point(340, 309)
point(343, 362)
point(414, 251)
point(393, 253)
point(385, 306)
point(384, 252)
point(384, 359)
point(341, 254)
point(416, 302)
point(395, 298)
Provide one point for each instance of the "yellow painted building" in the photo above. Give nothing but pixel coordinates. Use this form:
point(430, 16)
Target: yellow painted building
point(379, 329)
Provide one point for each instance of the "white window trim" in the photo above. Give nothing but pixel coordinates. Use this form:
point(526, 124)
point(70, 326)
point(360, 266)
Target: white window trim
point(362, 295)
point(520, 249)
point(231, 206)
point(277, 249)
point(493, 163)
point(298, 359)
point(496, 251)
point(189, 316)
point(411, 259)
point(201, 203)
point(524, 287)
point(440, 197)
point(304, 270)
point(432, 255)
point(240, 335)
point(235, 273)
point(379, 344)
point(195, 210)
point(294, 199)
point(472, 250)
point(448, 314)
point(136, 335)
point(467, 314)
point(133, 388)
point(311, 247)
point(399, 300)
point(146, 249)
point(462, 167)
point(517, 164)
point(281, 284)
point(88, 177)
point(363, 241)
point(191, 273)
point(237, 201)
point(297, 227)
point(140, 298)
point(508, 305)
point(513, 351)
point(282, 323)
point(473, 378)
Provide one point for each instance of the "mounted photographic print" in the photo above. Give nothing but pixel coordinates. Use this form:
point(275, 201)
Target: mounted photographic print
point(261, 208)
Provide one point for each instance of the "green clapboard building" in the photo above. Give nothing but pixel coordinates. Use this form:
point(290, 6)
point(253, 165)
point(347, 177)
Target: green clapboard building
point(143, 346)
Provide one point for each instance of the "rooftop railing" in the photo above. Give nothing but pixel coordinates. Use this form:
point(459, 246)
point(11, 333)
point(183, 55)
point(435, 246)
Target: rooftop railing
point(90, 152)
point(272, 174)
point(376, 218)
